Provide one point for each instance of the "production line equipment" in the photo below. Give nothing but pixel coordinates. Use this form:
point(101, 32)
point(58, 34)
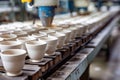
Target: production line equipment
point(46, 10)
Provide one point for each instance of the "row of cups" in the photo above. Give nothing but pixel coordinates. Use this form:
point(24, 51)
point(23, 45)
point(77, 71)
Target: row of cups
point(35, 43)
point(15, 47)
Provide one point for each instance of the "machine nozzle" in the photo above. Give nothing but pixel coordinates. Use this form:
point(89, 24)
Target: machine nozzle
point(46, 14)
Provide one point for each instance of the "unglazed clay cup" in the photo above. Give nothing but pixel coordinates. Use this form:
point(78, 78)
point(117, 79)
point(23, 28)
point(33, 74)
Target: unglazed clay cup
point(85, 27)
point(25, 39)
point(20, 33)
point(36, 50)
point(13, 61)
point(51, 44)
point(7, 37)
point(4, 45)
point(80, 30)
point(67, 35)
point(73, 32)
point(61, 38)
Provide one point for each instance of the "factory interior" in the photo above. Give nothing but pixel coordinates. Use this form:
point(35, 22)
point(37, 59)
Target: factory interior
point(59, 39)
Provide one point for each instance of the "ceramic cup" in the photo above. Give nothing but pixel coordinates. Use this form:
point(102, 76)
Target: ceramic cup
point(13, 61)
point(51, 44)
point(67, 35)
point(80, 30)
point(25, 39)
point(85, 27)
point(73, 32)
point(61, 38)
point(4, 45)
point(36, 50)
point(1, 39)
point(8, 36)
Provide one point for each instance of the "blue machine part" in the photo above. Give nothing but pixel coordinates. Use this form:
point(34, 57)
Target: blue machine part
point(67, 5)
point(71, 5)
point(99, 3)
point(46, 11)
point(83, 8)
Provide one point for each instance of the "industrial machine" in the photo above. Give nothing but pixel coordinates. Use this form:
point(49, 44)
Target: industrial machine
point(66, 6)
point(71, 6)
point(46, 10)
point(99, 4)
point(81, 5)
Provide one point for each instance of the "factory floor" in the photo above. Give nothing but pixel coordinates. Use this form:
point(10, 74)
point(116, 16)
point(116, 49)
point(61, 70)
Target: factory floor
point(101, 69)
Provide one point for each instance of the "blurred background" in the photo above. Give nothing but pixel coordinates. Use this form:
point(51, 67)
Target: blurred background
point(14, 10)
point(106, 65)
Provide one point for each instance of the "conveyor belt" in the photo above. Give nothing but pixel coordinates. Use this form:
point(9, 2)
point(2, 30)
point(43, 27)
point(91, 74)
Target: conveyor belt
point(76, 66)
point(73, 59)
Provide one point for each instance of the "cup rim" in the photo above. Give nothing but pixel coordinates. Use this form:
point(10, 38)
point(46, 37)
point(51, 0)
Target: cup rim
point(19, 32)
point(47, 31)
point(35, 43)
point(57, 34)
point(28, 30)
point(27, 38)
point(66, 31)
point(48, 38)
point(16, 43)
point(15, 54)
point(38, 34)
point(11, 36)
point(1, 39)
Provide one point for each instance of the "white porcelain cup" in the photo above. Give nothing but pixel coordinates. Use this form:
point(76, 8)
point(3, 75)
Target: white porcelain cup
point(13, 61)
point(4, 45)
point(80, 30)
point(36, 50)
point(1, 39)
point(73, 32)
point(67, 35)
point(61, 38)
point(85, 28)
point(51, 44)
point(8, 37)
